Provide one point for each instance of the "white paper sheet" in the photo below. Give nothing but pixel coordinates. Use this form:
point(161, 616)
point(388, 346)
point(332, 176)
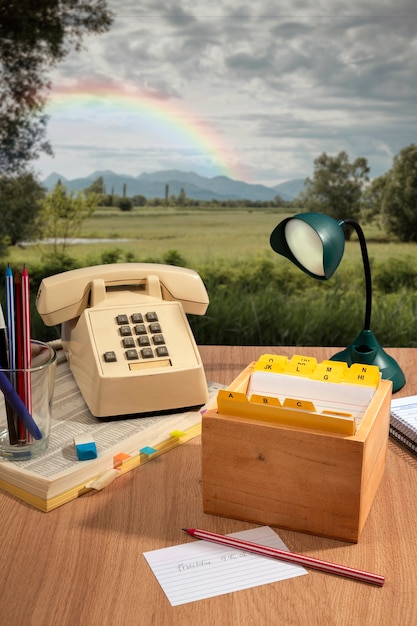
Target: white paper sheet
point(201, 569)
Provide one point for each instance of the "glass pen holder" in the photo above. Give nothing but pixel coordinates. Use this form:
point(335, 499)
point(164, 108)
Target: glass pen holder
point(26, 405)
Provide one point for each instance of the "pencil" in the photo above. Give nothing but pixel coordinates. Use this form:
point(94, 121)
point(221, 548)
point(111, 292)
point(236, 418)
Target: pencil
point(26, 345)
point(288, 557)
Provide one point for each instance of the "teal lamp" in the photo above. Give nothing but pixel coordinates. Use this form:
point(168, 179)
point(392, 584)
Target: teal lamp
point(315, 243)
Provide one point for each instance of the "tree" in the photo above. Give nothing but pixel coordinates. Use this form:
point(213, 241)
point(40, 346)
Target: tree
point(34, 37)
point(62, 215)
point(336, 186)
point(19, 202)
point(394, 195)
point(181, 197)
point(124, 204)
point(97, 186)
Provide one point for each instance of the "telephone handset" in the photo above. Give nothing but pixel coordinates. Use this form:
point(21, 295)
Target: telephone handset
point(126, 335)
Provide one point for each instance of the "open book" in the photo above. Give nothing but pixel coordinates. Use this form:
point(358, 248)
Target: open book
point(57, 476)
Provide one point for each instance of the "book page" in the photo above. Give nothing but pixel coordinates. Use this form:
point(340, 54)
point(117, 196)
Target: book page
point(201, 569)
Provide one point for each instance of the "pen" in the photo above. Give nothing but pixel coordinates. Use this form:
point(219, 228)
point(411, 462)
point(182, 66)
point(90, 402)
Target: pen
point(18, 405)
point(288, 557)
point(10, 317)
point(4, 363)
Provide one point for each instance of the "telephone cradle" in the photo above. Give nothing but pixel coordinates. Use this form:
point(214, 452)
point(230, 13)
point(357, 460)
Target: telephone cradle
point(126, 335)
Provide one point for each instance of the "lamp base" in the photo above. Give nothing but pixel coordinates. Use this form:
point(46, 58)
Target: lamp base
point(366, 349)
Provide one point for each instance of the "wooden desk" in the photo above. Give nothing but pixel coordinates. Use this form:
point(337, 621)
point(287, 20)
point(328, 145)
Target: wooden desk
point(83, 563)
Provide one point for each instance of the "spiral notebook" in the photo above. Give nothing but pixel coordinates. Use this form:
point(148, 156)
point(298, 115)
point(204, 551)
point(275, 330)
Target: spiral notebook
point(403, 421)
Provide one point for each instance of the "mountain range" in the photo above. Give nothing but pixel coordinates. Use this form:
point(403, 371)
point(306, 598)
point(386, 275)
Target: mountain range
point(195, 186)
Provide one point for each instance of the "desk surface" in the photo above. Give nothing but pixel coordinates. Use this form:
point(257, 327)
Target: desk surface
point(83, 563)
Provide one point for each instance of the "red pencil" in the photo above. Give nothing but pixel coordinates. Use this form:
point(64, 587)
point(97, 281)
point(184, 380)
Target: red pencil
point(20, 381)
point(288, 557)
point(23, 345)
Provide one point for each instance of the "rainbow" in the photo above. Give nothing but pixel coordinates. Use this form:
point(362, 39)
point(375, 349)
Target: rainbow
point(157, 114)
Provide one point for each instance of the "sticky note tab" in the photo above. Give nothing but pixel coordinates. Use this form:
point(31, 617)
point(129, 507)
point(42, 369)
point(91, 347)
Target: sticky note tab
point(120, 458)
point(103, 480)
point(359, 374)
point(301, 365)
point(176, 434)
point(148, 450)
point(271, 363)
point(85, 447)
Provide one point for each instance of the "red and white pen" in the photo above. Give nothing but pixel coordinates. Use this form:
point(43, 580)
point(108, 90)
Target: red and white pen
point(288, 557)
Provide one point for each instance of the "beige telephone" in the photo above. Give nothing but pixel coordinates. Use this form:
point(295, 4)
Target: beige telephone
point(126, 335)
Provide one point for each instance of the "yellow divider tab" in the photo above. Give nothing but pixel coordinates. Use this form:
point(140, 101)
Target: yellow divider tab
point(269, 400)
point(237, 404)
point(331, 371)
point(301, 365)
point(359, 374)
point(271, 363)
point(302, 405)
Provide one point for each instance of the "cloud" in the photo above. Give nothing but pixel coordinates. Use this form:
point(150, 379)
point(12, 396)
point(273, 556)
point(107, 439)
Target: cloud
point(280, 83)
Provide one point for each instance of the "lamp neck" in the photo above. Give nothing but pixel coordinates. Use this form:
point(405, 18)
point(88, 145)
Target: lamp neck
point(367, 270)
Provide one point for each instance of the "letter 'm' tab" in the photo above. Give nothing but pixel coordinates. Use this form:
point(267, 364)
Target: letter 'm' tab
point(331, 371)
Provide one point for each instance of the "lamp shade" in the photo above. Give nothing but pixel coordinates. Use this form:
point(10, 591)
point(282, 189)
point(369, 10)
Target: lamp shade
point(313, 241)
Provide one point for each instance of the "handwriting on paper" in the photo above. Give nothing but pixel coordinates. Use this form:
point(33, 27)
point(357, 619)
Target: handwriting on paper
point(200, 569)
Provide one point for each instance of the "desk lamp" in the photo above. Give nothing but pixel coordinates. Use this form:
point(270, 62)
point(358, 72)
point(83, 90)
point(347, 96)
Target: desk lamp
point(315, 243)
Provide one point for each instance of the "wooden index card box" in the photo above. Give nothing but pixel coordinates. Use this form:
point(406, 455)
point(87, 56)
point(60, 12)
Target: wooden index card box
point(305, 480)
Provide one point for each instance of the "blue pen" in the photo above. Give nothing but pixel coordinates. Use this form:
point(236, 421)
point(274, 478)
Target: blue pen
point(10, 317)
point(19, 407)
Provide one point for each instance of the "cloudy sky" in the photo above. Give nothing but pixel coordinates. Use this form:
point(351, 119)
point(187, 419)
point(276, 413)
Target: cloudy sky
point(253, 91)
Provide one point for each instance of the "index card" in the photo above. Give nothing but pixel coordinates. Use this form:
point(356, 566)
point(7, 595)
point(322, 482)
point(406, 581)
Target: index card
point(201, 569)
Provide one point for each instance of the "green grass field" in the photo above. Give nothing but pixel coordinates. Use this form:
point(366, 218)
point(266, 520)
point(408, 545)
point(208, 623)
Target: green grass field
point(210, 236)
point(256, 296)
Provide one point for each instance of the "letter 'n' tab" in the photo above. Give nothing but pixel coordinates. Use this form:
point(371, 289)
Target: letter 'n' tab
point(359, 374)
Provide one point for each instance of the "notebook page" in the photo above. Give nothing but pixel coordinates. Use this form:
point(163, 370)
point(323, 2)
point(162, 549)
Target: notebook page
point(404, 416)
point(201, 569)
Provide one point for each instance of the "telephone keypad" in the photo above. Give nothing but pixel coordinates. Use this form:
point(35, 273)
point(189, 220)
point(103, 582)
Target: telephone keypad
point(147, 353)
point(110, 356)
point(125, 331)
point(139, 332)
